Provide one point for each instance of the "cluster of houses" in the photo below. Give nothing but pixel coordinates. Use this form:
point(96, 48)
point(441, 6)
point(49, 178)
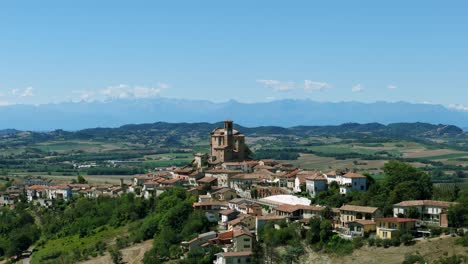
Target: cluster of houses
point(240, 196)
point(45, 192)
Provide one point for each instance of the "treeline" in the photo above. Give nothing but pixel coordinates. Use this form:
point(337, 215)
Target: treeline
point(114, 171)
point(17, 231)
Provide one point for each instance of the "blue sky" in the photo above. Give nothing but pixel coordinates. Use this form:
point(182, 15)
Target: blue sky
point(53, 51)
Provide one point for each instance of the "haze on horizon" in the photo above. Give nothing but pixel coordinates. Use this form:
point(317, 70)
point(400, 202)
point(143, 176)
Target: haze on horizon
point(55, 51)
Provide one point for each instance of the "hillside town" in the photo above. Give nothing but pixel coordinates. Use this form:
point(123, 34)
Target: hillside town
point(240, 195)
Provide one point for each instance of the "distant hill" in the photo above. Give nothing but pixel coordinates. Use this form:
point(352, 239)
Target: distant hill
point(173, 132)
point(284, 113)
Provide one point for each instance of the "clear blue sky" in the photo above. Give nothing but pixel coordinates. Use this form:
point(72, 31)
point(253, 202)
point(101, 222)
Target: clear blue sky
point(414, 51)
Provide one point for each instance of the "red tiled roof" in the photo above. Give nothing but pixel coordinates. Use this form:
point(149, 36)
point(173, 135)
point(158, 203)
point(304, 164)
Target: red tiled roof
point(395, 220)
point(361, 209)
point(426, 203)
point(226, 235)
point(353, 175)
point(36, 187)
point(237, 254)
point(207, 179)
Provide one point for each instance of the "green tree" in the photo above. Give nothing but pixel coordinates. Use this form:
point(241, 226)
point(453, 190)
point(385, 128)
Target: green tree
point(116, 255)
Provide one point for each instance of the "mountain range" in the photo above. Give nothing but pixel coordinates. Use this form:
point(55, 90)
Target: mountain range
point(285, 113)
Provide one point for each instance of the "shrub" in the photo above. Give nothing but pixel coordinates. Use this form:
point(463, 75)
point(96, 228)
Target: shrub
point(378, 242)
point(386, 243)
point(395, 242)
point(358, 242)
point(414, 258)
point(406, 239)
point(436, 231)
point(371, 242)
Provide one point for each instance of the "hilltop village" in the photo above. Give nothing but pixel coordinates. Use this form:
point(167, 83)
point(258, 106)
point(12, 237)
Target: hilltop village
point(240, 196)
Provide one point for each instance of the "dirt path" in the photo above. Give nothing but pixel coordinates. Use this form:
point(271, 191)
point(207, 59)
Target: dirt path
point(131, 255)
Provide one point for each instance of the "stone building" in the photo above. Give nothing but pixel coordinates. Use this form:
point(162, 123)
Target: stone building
point(226, 144)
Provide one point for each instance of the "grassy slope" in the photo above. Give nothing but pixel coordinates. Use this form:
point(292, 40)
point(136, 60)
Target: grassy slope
point(71, 243)
point(430, 249)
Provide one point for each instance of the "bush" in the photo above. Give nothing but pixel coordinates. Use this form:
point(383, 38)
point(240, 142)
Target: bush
point(415, 258)
point(378, 242)
point(371, 242)
point(463, 240)
point(386, 243)
point(436, 231)
point(406, 239)
point(395, 242)
point(358, 242)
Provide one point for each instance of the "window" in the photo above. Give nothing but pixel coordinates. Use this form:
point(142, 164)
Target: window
point(247, 239)
point(362, 187)
point(384, 234)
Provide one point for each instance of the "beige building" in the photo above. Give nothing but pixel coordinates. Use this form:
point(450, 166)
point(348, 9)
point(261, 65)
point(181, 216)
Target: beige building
point(226, 144)
point(388, 227)
point(351, 213)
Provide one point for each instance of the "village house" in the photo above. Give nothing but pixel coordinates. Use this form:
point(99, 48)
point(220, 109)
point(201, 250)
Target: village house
point(361, 227)
point(388, 227)
point(211, 209)
point(351, 213)
point(244, 220)
point(352, 182)
point(9, 197)
point(243, 257)
point(225, 216)
point(430, 212)
point(242, 183)
point(222, 175)
point(224, 194)
point(227, 144)
point(242, 239)
point(207, 181)
point(315, 183)
point(297, 212)
point(261, 221)
point(198, 241)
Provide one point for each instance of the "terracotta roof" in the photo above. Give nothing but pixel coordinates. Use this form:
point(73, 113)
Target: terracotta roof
point(207, 179)
point(223, 190)
point(287, 208)
point(426, 203)
point(208, 203)
point(316, 177)
point(36, 187)
point(226, 171)
point(292, 173)
point(226, 212)
point(233, 163)
point(271, 217)
point(353, 175)
point(356, 208)
point(226, 235)
point(291, 208)
point(395, 220)
point(364, 222)
point(266, 167)
point(331, 173)
point(239, 219)
point(247, 176)
point(171, 181)
point(239, 231)
point(236, 254)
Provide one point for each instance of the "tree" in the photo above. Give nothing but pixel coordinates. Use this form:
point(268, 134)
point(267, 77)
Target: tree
point(327, 213)
point(116, 255)
point(326, 230)
point(81, 180)
point(313, 234)
point(413, 213)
